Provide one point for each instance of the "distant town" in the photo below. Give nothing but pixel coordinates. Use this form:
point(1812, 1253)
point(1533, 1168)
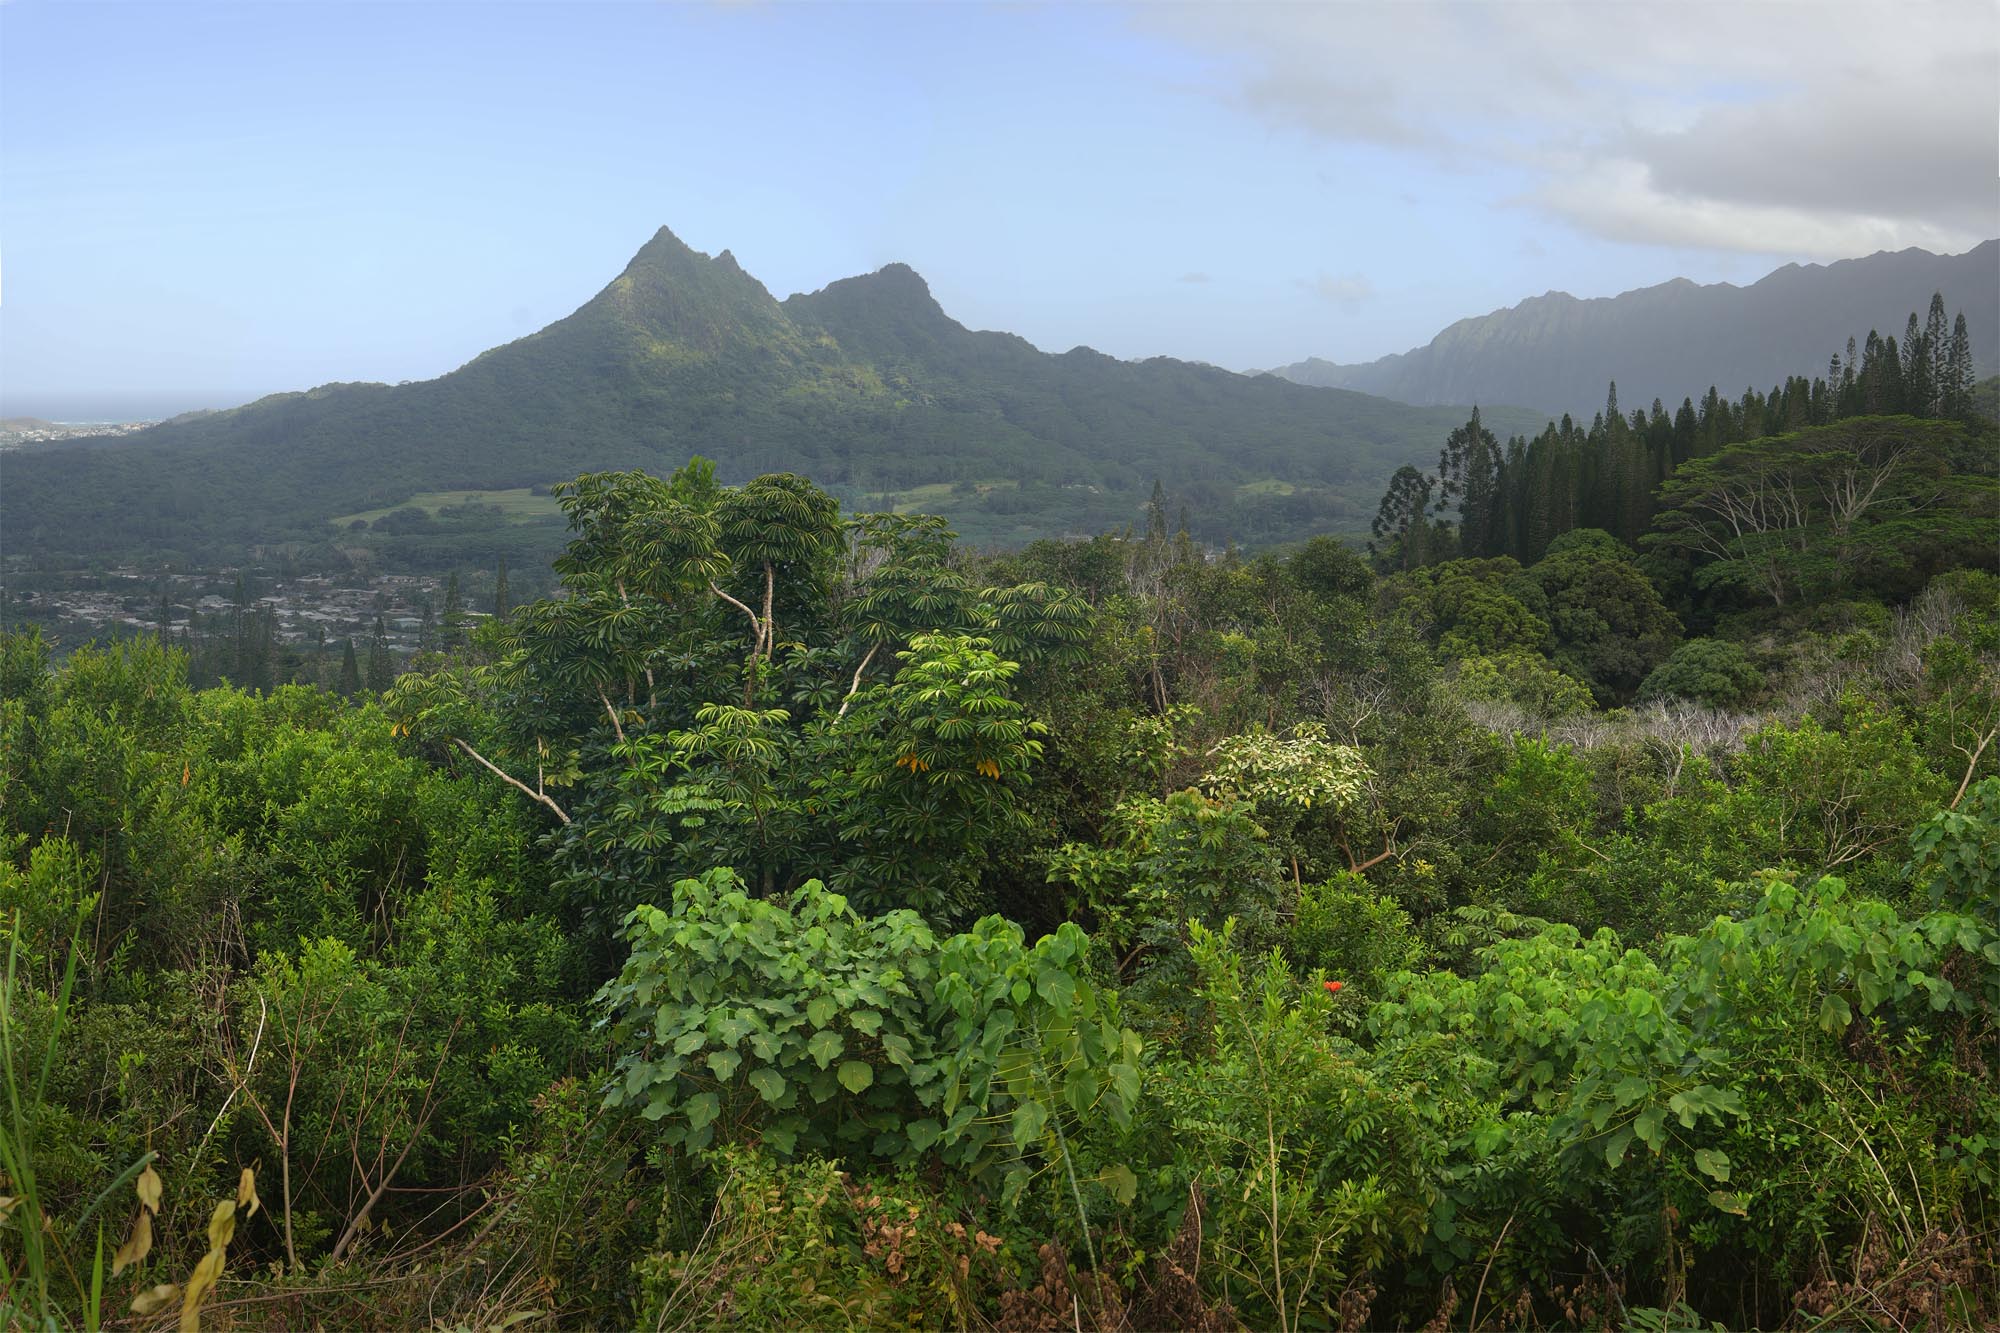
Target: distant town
point(17, 431)
point(308, 609)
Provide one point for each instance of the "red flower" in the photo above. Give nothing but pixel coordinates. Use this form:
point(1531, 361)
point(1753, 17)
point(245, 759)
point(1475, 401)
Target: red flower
point(1332, 986)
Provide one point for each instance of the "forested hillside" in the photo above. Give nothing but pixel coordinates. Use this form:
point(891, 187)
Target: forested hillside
point(1556, 352)
point(802, 921)
point(867, 386)
point(1795, 486)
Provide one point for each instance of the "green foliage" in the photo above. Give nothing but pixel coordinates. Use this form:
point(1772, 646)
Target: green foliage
point(1714, 672)
point(1343, 929)
point(808, 1028)
point(1164, 862)
point(1461, 1000)
point(1955, 854)
point(926, 773)
point(1314, 1172)
point(1824, 798)
point(1525, 681)
point(801, 1244)
point(1607, 623)
point(1800, 514)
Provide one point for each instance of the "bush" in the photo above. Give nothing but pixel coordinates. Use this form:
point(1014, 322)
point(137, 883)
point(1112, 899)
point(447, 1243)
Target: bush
point(1525, 680)
point(1354, 935)
point(808, 1028)
point(1715, 672)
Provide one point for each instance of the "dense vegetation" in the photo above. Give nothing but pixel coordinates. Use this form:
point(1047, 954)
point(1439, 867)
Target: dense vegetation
point(797, 921)
point(1786, 471)
point(867, 386)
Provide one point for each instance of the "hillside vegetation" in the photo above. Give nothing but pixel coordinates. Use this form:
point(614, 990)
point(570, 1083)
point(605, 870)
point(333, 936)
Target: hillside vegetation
point(802, 921)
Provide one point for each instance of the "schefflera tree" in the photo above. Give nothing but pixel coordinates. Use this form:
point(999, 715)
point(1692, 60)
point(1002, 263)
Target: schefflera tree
point(739, 677)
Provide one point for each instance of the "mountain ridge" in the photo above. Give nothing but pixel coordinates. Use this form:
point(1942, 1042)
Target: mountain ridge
point(1556, 352)
point(867, 385)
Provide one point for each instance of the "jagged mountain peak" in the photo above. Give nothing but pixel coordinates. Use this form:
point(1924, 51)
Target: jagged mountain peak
point(866, 385)
point(893, 289)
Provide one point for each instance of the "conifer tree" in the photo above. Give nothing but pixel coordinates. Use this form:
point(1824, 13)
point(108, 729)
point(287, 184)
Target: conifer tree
point(451, 624)
point(1479, 510)
point(1401, 528)
point(381, 667)
point(1916, 370)
point(350, 671)
point(503, 602)
point(1937, 342)
point(1958, 374)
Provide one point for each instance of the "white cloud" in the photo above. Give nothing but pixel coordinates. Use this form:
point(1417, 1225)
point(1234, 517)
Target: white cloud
point(1621, 200)
point(1817, 129)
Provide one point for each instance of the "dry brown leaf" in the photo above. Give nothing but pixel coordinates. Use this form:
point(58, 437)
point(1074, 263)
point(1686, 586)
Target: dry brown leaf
point(155, 1298)
point(149, 1187)
point(137, 1246)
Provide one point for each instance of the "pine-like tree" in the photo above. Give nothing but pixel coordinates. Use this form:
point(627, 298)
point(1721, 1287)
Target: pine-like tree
point(1937, 342)
point(381, 666)
point(1958, 373)
point(1479, 525)
point(1401, 528)
point(1156, 515)
point(451, 624)
point(1916, 370)
point(503, 601)
point(350, 671)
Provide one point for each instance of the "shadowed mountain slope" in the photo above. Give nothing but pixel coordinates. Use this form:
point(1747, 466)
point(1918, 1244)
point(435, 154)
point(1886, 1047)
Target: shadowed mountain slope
point(1557, 353)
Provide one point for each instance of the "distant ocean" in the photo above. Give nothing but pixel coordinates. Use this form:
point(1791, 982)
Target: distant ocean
point(104, 408)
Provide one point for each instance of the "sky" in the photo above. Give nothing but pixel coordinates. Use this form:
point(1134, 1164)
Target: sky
point(200, 204)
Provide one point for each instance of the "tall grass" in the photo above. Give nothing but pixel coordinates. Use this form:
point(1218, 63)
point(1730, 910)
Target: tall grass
point(41, 1284)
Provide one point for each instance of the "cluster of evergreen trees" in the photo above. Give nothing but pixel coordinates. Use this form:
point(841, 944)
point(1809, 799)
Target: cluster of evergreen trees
point(1514, 500)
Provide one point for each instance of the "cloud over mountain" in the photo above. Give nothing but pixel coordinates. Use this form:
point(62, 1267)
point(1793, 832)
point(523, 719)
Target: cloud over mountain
point(1826, 130)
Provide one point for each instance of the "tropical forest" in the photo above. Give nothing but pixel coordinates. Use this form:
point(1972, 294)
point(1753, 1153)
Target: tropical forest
point(1576, 907)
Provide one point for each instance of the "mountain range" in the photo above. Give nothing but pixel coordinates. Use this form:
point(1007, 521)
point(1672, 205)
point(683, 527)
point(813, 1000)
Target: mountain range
point(866, 386)
point(1557, 353)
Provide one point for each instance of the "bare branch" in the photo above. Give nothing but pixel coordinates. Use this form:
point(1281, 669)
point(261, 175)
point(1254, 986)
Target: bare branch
point(756, 625)
point(855, 688)
point(512, 781)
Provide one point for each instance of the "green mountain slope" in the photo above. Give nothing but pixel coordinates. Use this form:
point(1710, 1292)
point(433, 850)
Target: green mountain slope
point(866, 386)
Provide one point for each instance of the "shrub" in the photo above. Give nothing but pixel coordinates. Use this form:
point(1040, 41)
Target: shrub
point(808, 1028)
point(1715, 672)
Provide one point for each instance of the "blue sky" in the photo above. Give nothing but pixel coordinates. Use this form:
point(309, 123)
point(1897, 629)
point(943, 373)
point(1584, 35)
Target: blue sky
point(202, 203)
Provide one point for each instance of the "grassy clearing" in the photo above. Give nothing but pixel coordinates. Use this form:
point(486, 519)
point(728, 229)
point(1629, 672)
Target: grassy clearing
point(520, 505)
point(934, 498)
point(1266, 487)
